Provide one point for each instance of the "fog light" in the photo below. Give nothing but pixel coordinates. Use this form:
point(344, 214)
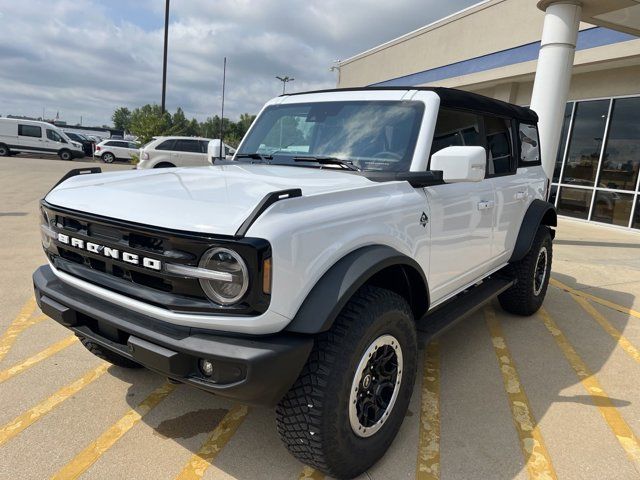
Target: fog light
point(206, 367)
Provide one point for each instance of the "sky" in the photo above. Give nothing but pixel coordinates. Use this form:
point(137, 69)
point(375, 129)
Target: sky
point(88, 57)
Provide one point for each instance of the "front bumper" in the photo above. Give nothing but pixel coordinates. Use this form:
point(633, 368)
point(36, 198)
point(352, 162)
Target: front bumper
point(256, 370)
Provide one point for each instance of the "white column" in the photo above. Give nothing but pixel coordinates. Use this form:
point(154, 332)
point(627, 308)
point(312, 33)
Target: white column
point(553, 75)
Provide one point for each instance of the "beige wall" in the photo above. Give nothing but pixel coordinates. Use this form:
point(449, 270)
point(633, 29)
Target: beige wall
point(610, 70)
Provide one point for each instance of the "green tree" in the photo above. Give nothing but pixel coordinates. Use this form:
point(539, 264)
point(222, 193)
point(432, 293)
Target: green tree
point(149, 121)
point(179, 123)
point(122, 118)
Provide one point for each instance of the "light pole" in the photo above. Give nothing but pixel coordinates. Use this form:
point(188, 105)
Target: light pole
point(284, 81)
point(164, 62)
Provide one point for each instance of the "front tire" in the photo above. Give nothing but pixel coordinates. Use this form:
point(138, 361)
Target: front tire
point(4, 150)
point(65, 155)
point(108, 355)
point(532, 277)
point(108, 157)
point(349, 402)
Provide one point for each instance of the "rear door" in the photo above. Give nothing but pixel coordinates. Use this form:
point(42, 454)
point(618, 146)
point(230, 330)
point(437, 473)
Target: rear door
point(30, 138)
point(511, 189)
point(461, 213)
point(190, 153)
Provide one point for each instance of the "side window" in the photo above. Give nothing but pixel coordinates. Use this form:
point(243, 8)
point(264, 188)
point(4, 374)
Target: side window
point(456, 128)
point(188, 146)
point(110, 144)
point(529, 145)
point(29, 131)
point(500, 161)
point(204, 146)
point(55, 136)
point(166, 145)
point(132, 145)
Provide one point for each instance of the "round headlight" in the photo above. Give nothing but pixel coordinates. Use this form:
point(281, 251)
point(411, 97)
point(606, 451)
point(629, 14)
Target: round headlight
point(233, 286)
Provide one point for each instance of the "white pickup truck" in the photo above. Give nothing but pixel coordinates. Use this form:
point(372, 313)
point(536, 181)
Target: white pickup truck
point(298, 273)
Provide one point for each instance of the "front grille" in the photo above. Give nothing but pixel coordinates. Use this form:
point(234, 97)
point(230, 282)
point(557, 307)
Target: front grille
point(157, 287)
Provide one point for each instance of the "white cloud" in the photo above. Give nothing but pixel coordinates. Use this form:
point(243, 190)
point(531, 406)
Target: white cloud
point(71, 56)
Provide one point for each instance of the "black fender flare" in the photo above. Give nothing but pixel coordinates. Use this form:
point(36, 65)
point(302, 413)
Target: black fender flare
point(538, 213)
point(331, 293)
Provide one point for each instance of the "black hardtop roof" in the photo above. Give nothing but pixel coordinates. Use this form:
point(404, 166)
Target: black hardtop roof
point(454, 98)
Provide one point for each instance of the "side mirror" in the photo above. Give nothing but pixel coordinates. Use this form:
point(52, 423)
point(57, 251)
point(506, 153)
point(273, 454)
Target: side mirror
point(460, 164)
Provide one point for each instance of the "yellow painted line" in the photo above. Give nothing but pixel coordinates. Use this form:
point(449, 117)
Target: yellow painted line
point(593, 298)
point(200, 461)
point(309, 473)
point(623, 342)
point(611, 415)
point(18, 424)
point(109, 437)
point(428, 463)
point(17, 326)
point(535, 453)
point(38, 357)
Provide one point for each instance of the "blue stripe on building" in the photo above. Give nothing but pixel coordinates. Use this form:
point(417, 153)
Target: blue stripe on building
point(591, 38)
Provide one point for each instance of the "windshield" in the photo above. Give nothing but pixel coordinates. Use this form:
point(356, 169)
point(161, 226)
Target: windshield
point(373, 135)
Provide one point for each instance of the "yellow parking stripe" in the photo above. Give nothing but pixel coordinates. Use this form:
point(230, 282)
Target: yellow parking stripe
point(17, 425)
point(623, 342)
point(38, 357)
point(200, 461)
point(428, 464)
point(19, 324)
point(611, 415)
point(593, 298)
point(537, 458)
point(109, 437)
point(309, 473)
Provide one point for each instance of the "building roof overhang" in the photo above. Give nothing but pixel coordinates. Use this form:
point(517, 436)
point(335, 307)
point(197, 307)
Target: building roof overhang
point(621, 15)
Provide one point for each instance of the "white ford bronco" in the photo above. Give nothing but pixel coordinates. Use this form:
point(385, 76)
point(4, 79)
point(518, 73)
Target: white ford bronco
point(298, 273)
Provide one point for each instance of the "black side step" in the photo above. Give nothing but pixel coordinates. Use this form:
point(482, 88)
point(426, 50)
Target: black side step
point(451, 312)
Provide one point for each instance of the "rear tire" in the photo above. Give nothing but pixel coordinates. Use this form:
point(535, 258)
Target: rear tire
point(108, 355)
point(164, 165)
point(532, 277)
point(65, 155)
point(330, 419)
point(4, 150)
point(108, 157)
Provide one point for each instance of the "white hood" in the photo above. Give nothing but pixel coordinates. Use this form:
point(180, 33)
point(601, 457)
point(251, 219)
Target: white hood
point(213, 199)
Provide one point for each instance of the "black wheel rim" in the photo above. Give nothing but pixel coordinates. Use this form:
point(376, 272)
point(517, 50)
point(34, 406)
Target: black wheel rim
point(375, 386)
point(540, 273)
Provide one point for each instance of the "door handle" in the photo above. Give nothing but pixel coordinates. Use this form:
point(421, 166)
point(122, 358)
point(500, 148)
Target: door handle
point(522, 195)
point(486, 205)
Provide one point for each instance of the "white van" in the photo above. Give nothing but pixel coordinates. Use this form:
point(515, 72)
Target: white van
point(32, 136)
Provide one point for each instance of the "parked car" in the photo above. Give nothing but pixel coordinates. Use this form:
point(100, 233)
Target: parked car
point(298, 277)
point(87, 145)
point(110, 150)
point(165, 152)
point(32, 136)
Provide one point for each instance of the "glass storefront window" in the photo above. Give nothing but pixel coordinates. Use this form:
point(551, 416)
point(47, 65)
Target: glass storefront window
point(563, 141)
point(574, 202)
point(586, 142)
point(621, 160)
point(553, 193)
point(636, 215)
point(612, 207)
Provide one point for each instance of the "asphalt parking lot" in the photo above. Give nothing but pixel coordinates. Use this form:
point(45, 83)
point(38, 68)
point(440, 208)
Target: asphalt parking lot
point(498, 396)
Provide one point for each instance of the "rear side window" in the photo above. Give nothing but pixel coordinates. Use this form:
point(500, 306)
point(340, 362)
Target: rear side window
point(29, 131)
point(454, 128)
point(166, 145)
point(500, 158)
point(529, 145)
point(110, 144)
point(132, 145)
point(193, 146)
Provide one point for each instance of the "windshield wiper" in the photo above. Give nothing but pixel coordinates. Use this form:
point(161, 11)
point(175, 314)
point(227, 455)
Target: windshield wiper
point(327, 161)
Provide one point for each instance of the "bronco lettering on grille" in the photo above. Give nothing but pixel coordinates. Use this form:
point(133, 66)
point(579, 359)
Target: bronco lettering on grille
point(110, 252)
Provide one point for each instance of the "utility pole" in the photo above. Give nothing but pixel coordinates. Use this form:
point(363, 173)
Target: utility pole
point(284, 81)
point(164, 62)
point(224, 79)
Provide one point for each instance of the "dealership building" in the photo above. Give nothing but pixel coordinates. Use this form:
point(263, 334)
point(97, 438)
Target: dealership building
point(493, 49)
